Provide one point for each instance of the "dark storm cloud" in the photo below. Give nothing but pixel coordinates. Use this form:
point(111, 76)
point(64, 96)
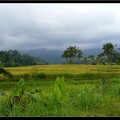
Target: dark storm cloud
point(57, 26)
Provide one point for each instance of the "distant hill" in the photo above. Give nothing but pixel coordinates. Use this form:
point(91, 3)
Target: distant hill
point(94, 52)
point(54, 56)
point(51, 56)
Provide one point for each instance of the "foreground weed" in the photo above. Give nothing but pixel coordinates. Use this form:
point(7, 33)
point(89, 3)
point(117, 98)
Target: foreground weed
point(103, 86)
point(87, 99)
point(59, 95)
point(99, 99)
point(18, 102)
point(17, 99)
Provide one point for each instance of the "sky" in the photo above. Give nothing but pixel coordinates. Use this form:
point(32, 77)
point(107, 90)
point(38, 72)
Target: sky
point(56, 26)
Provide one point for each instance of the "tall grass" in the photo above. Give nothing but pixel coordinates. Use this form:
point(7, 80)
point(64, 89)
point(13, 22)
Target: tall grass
point(68, 71)
point(63, 99)
point(86, 99)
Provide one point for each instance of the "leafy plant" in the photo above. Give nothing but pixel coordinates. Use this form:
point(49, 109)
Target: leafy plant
point(86, 99)
point(41, 75)
point(59, 95)
point(6, 72)
point(27, 75)
point(18, 96)
point(104, 85)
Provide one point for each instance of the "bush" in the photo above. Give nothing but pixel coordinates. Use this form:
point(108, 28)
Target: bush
point(41, 75)
point(118, 61)
point(27, 75)
point(93, 63)
point(18, 76)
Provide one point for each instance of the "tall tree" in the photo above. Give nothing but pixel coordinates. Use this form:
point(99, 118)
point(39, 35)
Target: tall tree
point(91, 58)
point(79, 55)
point(65, 55)
point(69, 53)
point(13, 58)
point(108, 52)
point(72, 52)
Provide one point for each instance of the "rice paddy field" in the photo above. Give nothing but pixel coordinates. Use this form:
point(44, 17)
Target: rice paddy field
point(61, 90)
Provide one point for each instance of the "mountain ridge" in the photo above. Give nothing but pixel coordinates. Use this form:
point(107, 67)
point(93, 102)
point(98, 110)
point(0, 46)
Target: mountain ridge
point(54, 56)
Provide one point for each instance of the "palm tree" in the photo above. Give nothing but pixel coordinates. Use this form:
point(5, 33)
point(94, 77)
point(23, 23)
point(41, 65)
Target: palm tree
point(65, 55)
point(108, 52)
point(6, 72)
point(79, 55)
point(68, 53)
point(72, 52)
point(86, 60)
point(91, 58)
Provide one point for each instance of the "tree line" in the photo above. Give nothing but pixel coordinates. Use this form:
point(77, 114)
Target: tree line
point(72, 54)
point(13, 58)
point(109, 55)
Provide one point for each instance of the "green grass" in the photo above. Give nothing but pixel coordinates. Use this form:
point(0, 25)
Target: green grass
point(67, 97)
point(63, 90)
point(68, 71)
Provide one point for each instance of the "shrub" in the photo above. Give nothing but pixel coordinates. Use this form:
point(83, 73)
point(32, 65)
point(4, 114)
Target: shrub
point(59, 96)
point(41, 75)
point(27, 75)
point(18, 76)
point(17, 101)
point(86, 99)
point(34, 71)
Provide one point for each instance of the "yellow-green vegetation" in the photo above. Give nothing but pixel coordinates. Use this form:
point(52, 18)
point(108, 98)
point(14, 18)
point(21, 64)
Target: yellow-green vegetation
point(61, 90)
point(68, 71)
point(62, 98)
point(56, 69)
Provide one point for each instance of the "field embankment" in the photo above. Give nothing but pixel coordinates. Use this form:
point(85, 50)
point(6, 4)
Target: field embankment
point(68, 71)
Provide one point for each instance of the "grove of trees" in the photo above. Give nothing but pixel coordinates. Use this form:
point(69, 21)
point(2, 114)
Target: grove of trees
point(72, 55)
point(109, 52)
point(109, 55)
point(13, 58)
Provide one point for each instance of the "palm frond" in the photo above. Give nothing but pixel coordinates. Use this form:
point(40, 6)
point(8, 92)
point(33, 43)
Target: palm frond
point(6, 72)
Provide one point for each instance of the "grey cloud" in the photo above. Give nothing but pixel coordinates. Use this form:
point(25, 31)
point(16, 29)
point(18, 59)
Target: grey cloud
point(53, 26)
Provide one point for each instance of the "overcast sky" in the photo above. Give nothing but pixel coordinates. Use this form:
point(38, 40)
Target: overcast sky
point(58, 25)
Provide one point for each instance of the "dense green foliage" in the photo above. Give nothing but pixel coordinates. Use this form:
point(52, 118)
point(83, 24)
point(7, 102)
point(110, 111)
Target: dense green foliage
point(109, 52)
point(109, 55)
point(72, 53)
point(6, 72)
point(62, 97)
point(18, 97)
point(42, 90)
point(13, 58)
